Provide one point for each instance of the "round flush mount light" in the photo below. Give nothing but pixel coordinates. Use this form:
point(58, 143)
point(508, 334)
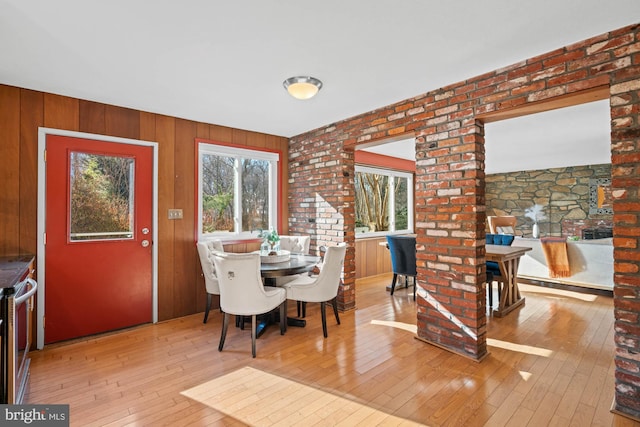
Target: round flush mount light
point(302, 87)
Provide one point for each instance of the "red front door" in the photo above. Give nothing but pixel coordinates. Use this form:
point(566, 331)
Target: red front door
point(98, 256)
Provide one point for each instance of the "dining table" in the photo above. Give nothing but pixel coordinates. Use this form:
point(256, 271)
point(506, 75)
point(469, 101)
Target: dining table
point(508, 259)
point(294, 264)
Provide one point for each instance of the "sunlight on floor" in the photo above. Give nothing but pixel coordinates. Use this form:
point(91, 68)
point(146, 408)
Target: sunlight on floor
point(258, 398)
point(521, 348)
point(525, 375)
point(399, 325)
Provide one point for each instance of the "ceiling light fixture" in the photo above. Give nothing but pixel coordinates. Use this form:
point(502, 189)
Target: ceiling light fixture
point(302, 87)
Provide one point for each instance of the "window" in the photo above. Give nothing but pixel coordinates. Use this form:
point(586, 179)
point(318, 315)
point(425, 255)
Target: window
point(238, 191)
point(101, 200)
point(384, 201)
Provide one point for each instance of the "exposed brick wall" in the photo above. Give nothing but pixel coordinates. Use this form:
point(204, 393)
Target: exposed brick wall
point(564, 193)
point(450, 183)
point(322, 200)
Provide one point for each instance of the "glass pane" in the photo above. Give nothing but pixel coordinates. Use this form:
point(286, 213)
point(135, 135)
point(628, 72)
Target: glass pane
point(101, 197)
point(255, 194)
point(401, 207)
point(372, 211)
point(218, 176)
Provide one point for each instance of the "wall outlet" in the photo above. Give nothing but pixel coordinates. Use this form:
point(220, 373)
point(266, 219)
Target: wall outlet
point(175, 213)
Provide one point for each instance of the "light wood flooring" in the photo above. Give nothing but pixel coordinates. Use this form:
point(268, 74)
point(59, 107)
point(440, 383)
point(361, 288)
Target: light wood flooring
point(551, 364)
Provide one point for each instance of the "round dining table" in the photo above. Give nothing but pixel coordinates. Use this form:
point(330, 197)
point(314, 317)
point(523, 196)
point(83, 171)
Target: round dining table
point(296, 264)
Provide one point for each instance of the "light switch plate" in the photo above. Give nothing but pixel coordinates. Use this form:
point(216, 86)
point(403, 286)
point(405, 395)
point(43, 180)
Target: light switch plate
point(175, 213)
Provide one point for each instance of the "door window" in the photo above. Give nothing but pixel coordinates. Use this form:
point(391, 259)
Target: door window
point(101, 197)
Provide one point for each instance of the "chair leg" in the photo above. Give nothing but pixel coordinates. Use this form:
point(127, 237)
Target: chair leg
point(334, 303)
point(302, 308)
point(415, 287)
point(206, 311)
point(283, 317)
point(490, 291)
point(223, 334)
point(324, 318)
point(253, 335)
point(393, 283)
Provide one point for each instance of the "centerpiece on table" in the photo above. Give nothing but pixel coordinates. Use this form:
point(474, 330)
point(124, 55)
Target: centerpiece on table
point(270, 240)
point(270, 249)
point(535, 213)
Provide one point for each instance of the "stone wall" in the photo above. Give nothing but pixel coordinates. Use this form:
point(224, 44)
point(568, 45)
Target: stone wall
point(564, 192)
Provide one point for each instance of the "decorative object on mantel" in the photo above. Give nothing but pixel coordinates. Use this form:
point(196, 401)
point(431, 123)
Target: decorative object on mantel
point(555, 252)
point(535, 213)
point(270, 241)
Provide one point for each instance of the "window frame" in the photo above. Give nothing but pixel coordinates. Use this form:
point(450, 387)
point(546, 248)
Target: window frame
point(392, 174)
point(207, 147)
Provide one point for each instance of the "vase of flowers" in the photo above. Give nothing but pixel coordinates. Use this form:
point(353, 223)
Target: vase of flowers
point(270, 237)
point(535, 213)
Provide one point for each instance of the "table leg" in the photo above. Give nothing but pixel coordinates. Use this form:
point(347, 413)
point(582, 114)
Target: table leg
point(510, 298)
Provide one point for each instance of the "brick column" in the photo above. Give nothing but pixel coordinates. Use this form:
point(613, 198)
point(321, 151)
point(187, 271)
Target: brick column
point(625, 159)
point(322, 199)
point(450, 218)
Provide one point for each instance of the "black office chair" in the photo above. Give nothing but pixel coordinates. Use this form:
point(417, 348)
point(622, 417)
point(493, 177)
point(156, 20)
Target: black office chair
point(403, 259)
point(493, 269)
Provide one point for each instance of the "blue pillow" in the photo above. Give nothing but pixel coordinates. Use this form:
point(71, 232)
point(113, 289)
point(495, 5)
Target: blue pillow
point(505, 239)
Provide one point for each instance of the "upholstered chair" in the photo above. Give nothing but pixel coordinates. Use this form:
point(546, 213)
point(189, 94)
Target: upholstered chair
point(206, 249)
point(403, 259)
point(295, 245)
point(322, 288)
point(243, 294)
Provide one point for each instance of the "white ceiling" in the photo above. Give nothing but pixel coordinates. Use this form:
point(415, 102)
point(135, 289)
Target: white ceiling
point(224, 62)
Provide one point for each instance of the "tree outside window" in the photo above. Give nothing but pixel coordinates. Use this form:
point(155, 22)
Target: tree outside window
point(384, 201)
point(238, 190)
point(101, 200)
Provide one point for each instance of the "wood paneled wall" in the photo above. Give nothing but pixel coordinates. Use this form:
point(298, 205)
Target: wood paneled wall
point(371, 257)
point(22, 111)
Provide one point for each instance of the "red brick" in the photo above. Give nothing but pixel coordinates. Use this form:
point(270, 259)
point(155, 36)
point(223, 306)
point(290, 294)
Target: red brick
point(449, 152)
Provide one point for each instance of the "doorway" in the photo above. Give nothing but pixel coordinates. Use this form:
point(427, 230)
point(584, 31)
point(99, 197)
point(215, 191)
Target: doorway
point(97, 224)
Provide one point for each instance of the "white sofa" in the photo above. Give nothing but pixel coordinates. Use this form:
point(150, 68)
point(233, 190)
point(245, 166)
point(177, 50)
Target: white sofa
point(591, 263)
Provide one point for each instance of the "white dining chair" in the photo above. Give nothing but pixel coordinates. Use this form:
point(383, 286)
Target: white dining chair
point(243, 294)
point(295, 245)
point(322, 288)
point(206, 249)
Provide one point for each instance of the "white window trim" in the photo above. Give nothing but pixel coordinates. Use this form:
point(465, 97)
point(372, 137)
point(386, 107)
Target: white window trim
point(392, 174)
point(274, 162)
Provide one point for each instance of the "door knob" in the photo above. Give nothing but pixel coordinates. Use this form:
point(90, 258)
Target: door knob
point(145, 243)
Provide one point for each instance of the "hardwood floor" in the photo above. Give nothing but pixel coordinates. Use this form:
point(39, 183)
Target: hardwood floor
point(551, 363)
